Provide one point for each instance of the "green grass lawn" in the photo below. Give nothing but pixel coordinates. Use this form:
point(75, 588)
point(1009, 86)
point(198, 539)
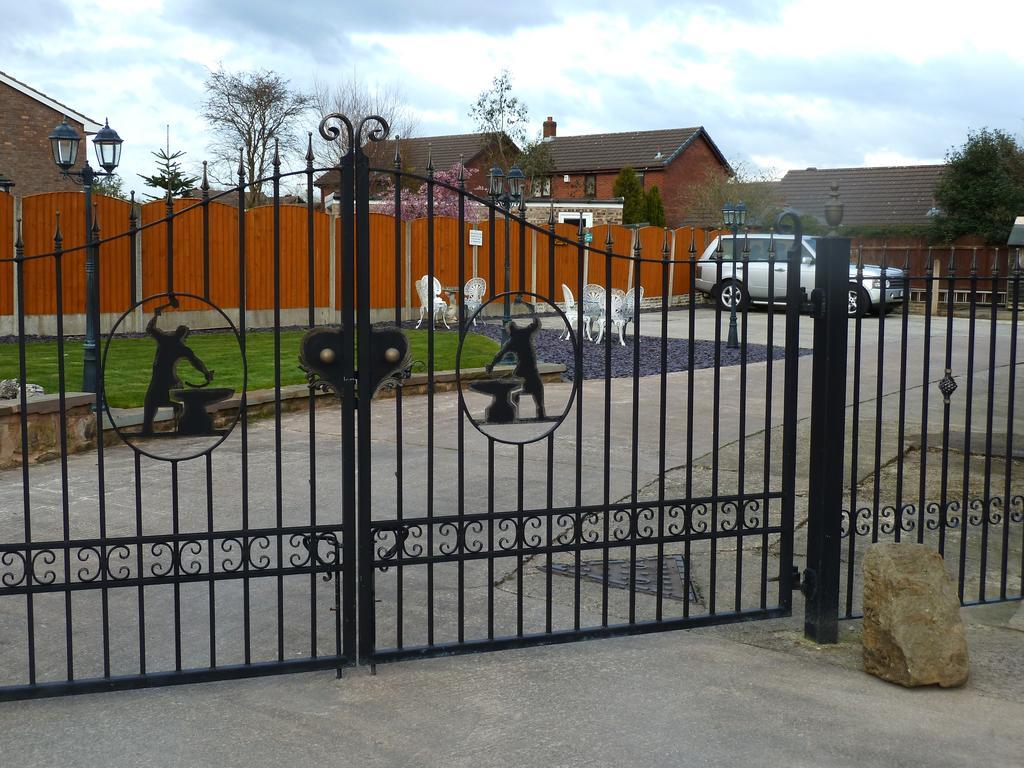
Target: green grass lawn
point(130, 361)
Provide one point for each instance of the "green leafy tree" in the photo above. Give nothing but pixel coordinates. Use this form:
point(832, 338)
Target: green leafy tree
point(982, 189)
point(655, 208)
point(756, 188)
point(634, 201)
point(496, 112)
point(169, 176)
point(536, 161)
point(110, 186)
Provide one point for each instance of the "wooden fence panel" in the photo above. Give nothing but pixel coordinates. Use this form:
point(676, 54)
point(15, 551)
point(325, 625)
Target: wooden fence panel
point(446, 253)
point(6, 252)
point(565, 262)
point(39, 216)
point(649, 273)
point(382, 262)
point(622, 246)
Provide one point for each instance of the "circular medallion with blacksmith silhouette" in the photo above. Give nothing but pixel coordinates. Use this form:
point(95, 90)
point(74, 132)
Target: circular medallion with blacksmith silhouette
point(169, 393)
point(516, 396)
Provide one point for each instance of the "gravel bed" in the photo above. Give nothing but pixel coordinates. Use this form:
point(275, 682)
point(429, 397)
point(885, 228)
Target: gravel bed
point(552, 349)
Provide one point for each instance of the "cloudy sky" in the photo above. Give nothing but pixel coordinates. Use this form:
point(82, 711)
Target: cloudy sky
point(778, 84)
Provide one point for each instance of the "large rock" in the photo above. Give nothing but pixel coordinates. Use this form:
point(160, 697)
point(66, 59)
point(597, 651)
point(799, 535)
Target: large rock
point(913, 633)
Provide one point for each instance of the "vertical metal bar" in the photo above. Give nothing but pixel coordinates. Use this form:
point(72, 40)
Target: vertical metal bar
point(461, 419)
point(944, 490)
point(210, 563)
point(278, 476)
point(431, 266)
point(133, 250)
point(828, 425)
point(716, 402)
point(175, 547)
point(986, 507)
point(879, 394)
point(58, 261)
point(243, 417)
point(902, 428)
point(635, 429)
point(1013, 284)
point(367, 617)
point(789, 420)
point(550, 496)
point(965, 503)
point(521, 543)
point(169, 241)
point(929, 288)
point(204, 186)
point(399, 460)
point(492, 275)
point(768, 381)
point(579, 376)
point(851, 543)
point(691, 334)
point(311, 402)
point(100, 461)
point(741, 497)
point(26, 494)
point(139, 563)
point(608, 245)
point(663, 420)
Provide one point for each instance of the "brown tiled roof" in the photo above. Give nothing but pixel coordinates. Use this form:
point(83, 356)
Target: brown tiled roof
point(885, 196)
point(614, 151)
point(444, 151)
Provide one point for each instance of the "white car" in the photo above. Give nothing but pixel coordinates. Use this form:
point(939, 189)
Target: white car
point(715, 275)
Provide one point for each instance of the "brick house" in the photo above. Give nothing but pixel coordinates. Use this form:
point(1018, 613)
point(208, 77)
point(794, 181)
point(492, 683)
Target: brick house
point(584, 170)
point(27, 117)
point(478, 152)
point(895, 196)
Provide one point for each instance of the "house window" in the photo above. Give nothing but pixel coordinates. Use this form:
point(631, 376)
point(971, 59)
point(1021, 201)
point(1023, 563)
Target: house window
point(573, 217)
point(640, 176)
point(590, 185)
point(542, 187)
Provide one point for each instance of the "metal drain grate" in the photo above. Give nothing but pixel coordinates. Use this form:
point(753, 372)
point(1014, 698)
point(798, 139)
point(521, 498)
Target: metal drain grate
point(674, 586)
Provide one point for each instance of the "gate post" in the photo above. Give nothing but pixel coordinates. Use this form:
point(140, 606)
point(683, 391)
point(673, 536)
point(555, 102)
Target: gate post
point(829, 301)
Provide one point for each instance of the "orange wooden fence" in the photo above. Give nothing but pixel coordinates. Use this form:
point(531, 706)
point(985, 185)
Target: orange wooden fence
point(403, 259)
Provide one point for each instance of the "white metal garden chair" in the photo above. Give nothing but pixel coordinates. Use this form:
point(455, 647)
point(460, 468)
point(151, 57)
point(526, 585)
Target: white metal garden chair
point(473, 295)
point(440, 306)
point(571, 312)
point(618, 301)
point(593, 301)
point(630, 306)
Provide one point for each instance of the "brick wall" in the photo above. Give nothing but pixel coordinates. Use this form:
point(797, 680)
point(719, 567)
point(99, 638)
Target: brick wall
point(680, 177)
point(675, 182)
point(25, 154)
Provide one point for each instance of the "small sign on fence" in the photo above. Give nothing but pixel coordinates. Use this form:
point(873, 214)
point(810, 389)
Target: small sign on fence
point(476, 237)
point(588, 237)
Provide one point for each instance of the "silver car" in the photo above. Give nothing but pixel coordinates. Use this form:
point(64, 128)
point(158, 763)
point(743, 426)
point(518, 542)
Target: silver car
point(715, 275)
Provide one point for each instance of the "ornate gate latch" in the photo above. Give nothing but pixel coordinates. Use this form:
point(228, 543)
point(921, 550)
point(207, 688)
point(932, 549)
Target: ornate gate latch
point(320, 355)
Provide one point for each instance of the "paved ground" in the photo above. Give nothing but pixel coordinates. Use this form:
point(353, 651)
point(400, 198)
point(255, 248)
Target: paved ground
point(704, 697)
point(753, 695)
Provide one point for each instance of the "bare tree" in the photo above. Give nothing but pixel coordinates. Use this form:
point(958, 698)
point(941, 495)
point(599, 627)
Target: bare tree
point(250, 110)
point(755, 188)
point(498, 113)
point(354, 98)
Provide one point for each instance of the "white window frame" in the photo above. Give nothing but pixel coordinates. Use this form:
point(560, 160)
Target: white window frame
point(587, 216)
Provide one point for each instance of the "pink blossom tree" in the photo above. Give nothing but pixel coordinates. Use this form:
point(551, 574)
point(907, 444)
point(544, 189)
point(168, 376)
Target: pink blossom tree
point(446, 197)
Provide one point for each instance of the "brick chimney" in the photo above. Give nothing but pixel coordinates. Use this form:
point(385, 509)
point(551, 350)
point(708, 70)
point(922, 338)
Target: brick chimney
point(549, 129)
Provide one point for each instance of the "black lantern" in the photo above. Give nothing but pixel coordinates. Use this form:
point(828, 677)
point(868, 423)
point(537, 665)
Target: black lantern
point(516, 181)
point(495, 182)
point(64, 145)
point(741, 214)
point(6, 185)
point(108, 147)
point(728, 213)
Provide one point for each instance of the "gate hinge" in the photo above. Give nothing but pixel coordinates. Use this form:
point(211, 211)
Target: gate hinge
point(817, 305)
point(809, 583)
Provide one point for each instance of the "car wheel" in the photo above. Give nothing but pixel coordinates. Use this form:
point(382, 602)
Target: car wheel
point(858, 302)
point(731, 293)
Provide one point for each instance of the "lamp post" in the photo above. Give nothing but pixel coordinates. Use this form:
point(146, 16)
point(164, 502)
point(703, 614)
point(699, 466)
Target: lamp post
point(734, 217)
point(506, 196)
point(64, 142)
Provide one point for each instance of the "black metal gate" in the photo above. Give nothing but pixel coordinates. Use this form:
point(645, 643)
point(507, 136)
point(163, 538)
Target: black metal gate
point(502, 482)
